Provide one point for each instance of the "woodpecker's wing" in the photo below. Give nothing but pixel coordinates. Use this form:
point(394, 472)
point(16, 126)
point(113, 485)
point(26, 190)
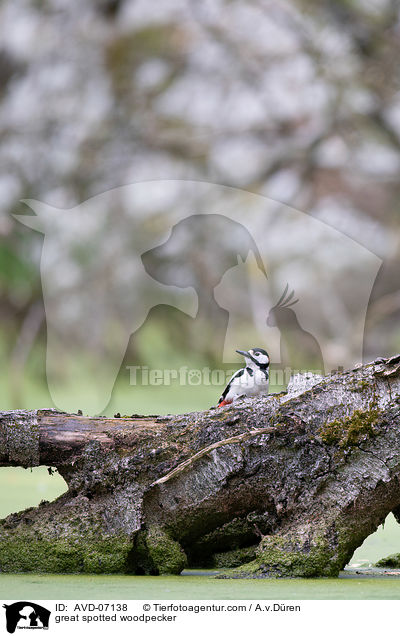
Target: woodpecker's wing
point(228, 387)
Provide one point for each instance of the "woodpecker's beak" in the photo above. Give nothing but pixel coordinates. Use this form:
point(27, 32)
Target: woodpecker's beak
point(243, 353)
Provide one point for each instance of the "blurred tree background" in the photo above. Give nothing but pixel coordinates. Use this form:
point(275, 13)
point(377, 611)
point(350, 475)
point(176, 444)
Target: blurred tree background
point(297, 101)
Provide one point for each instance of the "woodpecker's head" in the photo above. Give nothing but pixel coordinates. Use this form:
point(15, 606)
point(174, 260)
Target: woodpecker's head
point(255, 357)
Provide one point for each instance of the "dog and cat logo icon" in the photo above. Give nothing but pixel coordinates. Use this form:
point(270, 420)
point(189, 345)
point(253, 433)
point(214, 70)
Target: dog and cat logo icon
point(26, 615)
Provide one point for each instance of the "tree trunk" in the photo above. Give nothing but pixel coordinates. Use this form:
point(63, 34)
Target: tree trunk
point(288, 484)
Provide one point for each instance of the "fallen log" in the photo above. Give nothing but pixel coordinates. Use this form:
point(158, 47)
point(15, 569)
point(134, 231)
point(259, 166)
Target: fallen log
point(288, 484)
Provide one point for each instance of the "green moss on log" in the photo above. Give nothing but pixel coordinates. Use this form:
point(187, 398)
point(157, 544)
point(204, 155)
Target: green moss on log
point(288, 557)
point(108, 556)
point(165, 553)
point(391, 561)
point(350, 430)
point(234, 558)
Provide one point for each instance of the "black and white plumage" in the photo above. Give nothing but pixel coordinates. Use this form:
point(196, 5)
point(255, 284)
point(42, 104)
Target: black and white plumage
point(249, 381)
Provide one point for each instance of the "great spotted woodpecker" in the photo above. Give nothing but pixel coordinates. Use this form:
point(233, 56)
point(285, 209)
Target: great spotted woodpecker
point(250, 381)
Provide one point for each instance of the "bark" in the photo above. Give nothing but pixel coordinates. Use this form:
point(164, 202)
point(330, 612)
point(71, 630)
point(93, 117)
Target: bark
point(288, 484)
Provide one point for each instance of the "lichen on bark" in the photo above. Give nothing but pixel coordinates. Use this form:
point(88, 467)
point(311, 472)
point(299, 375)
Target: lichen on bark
point(19, 441)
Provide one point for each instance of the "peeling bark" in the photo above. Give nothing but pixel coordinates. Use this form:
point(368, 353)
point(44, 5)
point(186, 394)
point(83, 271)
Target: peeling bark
point(288, 484)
